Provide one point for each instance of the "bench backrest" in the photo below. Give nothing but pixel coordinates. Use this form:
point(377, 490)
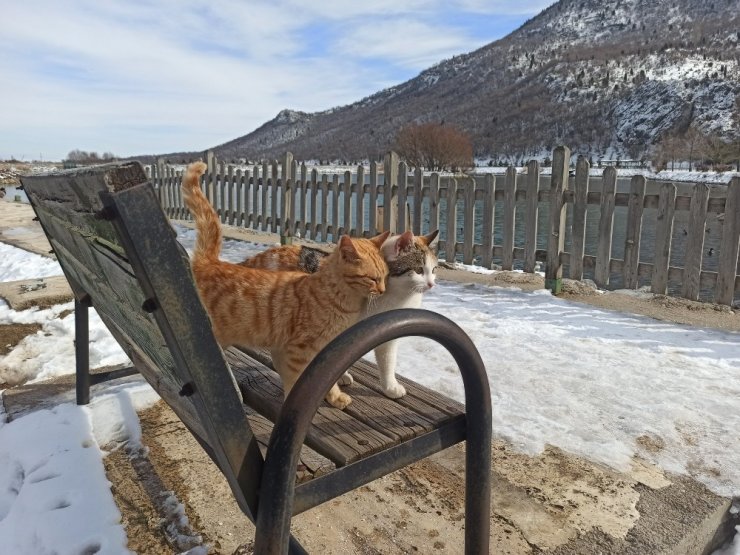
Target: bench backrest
point(119, 251)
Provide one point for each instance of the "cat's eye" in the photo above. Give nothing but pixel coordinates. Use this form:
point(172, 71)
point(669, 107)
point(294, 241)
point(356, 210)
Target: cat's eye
point(419, 271)
point(434, 270)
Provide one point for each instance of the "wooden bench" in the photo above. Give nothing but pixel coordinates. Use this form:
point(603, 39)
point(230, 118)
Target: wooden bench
point(120, 255)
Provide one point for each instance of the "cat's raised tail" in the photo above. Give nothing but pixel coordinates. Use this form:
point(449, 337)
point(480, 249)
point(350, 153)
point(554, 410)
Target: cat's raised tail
point(208, 238)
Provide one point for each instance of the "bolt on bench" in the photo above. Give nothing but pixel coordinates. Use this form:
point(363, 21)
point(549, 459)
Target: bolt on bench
point(120, 255)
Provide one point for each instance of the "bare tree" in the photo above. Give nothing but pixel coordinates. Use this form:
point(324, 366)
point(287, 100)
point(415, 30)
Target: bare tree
point(435, 147)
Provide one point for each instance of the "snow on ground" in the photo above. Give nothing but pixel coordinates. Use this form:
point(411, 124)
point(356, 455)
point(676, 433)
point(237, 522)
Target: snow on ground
point(591, 381)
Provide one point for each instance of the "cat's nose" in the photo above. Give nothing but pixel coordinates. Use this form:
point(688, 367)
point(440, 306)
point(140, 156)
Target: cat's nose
point(430, 284)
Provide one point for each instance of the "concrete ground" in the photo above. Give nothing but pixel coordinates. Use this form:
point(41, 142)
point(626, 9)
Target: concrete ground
point(550, 503)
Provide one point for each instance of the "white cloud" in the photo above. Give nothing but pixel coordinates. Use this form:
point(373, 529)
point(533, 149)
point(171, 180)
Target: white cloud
point(141, 77)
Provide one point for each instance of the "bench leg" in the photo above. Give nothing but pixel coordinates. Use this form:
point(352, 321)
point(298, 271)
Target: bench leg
point(82, 351)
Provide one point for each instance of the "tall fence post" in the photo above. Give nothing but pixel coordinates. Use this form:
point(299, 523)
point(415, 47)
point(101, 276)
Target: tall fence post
point(286, 201)
point(729, 246)
point(390, 192)
point(556, 236)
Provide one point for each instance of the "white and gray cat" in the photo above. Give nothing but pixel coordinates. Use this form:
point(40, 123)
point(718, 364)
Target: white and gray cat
point(412, 265)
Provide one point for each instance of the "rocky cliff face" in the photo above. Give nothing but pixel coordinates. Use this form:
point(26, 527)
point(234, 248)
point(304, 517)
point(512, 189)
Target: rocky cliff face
point(607, 77)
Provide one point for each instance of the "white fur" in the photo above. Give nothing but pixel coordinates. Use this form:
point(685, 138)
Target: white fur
point(405, 291)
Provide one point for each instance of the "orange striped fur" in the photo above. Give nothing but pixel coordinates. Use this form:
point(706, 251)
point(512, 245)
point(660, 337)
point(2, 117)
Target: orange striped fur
point(293, 314)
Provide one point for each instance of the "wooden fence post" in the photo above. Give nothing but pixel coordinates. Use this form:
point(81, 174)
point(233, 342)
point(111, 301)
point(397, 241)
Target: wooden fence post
point(360, 203)
point(631, 268)
point(451, 240)
point(694, 251)
point(602, 271)
point(434, 202)
point(418, 197)
point(530, 216)
point(556, 236)
point(286, 210)
point(402, 207)
point(373, 203)
point(663, 238)
point(489, 209)
point(578, 229)
point(468, 220)
point(509, 223)
point(390, 194)
point(729, 245)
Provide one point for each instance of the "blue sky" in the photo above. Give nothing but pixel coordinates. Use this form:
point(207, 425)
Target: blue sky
point(149, 76)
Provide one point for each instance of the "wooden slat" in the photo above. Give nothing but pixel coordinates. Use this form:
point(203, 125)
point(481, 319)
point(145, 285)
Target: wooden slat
point(360, 230)
point(264, 217)
point(489, 209)
point(578, 233)
point(434, 202)
point(729, 246)
point(451, 240)
point(324, 204)
point(507, 261)
point(530, 216)
point(418, 199)
point(335, 228)
point(606, 226)
point(468, 220)
point(254, 218)
point(373, 202)
point(231, 190)
point(694, 250)
point(633, 232)
point(275, 197)
point(419, 411)
point(403, 183)
point(347, 191)
point(303, 192)
point(222, 206)
point(314, 190)
point(663, 238)
point(556, 235)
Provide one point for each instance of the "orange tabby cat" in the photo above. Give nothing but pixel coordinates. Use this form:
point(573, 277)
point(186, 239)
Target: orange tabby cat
point(293, 314)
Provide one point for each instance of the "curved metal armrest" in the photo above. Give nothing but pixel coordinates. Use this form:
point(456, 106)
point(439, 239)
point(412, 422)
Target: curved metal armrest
point(336, 358)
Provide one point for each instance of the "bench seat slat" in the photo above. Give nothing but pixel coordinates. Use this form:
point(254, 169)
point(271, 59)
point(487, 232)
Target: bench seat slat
point(370, 424)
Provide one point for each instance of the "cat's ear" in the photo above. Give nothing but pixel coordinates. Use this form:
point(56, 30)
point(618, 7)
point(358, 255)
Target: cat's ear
point(427, 239)
point(405, 241)
point(378, 240)
point(348, 250)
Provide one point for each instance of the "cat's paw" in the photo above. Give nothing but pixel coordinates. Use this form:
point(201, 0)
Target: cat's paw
point(340, 401)
point(346, 379)
point(394, 391)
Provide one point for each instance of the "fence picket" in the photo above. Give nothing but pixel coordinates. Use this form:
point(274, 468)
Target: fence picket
point(275, 196)
point(729, 246)
point(418, 198)
point(556, 237)
point(694, 250)
point(347, 189)
point(373, 211)
point(663, 238)
point(360, 203)
point(578, 230)
point(401, 197)
point(434, 197)
point(530, 216)
point(507, 260)
point(468, 220)
point(630, 270)
point(451, 242)
point(324, 205)
point(489, 209)
point(602, 272)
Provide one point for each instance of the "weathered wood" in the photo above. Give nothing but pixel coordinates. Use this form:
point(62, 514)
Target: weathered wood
point(663, 238)
point(360, 203)
point(418, 200)
point(578, 230)
point(313, 191)
point(489, 209)
point(390, 188)
point(274, 196)
point(324, 204)
point(451, 239)
point(602, 270)
point(530, 216)
point(241, 194)
point(694, 250)
point(220, 204)
point(434, 202)
point(729, 246)
point(556, 236)
point(254, 217)
point(335, 228)
point(287, 211)
point(265, 206)
point(633, 232)
point(347, 204)
point(372, 212)
point(468, 220)
point(304, 193)
point(508, 228)
point(403, 183)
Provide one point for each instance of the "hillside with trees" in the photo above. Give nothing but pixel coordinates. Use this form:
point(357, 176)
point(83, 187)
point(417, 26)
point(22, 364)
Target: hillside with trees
point(610, 78)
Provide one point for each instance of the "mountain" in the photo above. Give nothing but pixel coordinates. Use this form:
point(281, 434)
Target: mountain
point(606, 77)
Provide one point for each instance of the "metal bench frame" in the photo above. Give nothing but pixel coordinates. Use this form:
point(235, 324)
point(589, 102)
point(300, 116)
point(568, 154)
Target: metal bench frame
point(107, 229)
